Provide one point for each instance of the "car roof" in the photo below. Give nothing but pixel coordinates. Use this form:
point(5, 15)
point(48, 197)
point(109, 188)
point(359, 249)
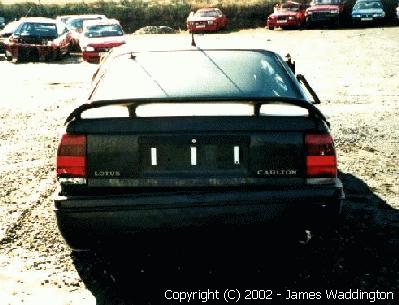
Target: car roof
point(87, 16)
point(67, 16)
point(291, 2)
point(100, 22)
point(206, 9)
point(38, 20)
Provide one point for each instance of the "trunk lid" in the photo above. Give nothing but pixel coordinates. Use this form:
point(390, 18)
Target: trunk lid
point(195, 152)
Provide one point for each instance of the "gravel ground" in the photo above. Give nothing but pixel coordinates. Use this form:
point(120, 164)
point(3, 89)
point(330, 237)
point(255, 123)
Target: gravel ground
point(355, 73)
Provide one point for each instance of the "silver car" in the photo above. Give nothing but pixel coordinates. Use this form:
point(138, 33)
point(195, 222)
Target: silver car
point(368, 11)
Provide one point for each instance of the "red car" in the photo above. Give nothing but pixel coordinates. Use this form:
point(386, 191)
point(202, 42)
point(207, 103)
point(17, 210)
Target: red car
point(38, 38)
point(206, 19)
point(324, 11)
point(75, 26)
point(99, 36)
point(6, 33)
point(288, 14)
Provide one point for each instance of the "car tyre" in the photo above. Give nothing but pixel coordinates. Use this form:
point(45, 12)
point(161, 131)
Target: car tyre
point(271, 28)
point(336, 23)
point(58, 54)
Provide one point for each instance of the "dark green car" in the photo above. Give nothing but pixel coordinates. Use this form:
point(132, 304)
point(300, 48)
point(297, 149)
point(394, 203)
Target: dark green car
point(194, 138)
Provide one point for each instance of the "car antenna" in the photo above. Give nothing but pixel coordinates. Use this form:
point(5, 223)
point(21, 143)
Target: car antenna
point(193, 43)
point(27, 14)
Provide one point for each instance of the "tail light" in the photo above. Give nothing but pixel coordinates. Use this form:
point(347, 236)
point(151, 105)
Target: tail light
point(71, 157)
point(321, 161)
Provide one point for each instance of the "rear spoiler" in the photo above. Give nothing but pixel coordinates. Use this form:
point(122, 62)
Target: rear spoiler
point(256, 102)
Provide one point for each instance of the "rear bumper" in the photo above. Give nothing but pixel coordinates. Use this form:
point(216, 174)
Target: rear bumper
point(287, 23)
point(206, 28)
point(322, 17)
point(89, 218)
point(42, 51)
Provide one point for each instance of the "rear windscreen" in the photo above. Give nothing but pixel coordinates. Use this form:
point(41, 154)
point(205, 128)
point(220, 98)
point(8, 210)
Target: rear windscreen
point(198, 73)
point(38, 29)
point(103, 30)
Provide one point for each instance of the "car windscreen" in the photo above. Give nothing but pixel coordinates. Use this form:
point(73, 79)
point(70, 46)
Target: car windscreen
point(367, 5)
point(197, 73)
point(38, 29)
point(103, 30)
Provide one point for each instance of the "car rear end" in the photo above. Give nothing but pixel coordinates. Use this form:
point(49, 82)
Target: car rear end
point(283, 20)
point(206, 20)
point(327, 12)
point(121, 176)
point(210, 25)
point(33, 40)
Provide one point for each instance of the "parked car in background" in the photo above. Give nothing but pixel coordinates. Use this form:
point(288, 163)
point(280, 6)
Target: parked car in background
point(288, 14)
point(368, 11)
point(75, 26)
point(2, 22)
point(206, 19)
point(194, 138)
point(38, 38)
point(65, 18)
point(397, 11)
point(324, 12)
point(6, 33)
point(98, 37)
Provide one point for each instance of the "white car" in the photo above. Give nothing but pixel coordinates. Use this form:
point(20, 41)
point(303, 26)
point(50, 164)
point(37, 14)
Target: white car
point(75, 26)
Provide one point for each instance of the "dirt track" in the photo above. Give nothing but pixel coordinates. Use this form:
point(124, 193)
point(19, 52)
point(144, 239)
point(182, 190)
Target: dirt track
point(355, 73)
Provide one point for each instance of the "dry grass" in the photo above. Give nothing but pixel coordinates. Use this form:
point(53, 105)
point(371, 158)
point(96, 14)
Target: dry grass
point(201, 3)
point(59, 2)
